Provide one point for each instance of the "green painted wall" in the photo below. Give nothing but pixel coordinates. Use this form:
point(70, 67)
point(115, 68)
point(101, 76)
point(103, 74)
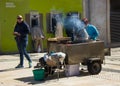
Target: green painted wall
point(46, 6)
point(9, 9)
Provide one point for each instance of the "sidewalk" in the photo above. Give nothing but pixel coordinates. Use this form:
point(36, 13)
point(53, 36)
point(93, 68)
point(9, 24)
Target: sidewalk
point(9, 76)
point(8, 73)
point(10, 61)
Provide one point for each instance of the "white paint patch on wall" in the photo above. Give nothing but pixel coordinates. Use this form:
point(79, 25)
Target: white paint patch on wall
point(10, 5)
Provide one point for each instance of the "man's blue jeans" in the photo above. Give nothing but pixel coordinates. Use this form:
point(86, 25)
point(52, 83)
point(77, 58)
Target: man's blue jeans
point(22, 44)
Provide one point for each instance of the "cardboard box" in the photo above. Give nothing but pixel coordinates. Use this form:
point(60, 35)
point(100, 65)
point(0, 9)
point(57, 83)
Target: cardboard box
point(72, 70)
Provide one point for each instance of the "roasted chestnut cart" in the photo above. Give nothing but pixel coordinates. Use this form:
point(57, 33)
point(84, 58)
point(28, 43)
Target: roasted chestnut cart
point(89, 53)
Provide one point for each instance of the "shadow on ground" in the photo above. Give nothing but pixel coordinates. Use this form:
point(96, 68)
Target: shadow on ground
point(30, 80)
point(83, 73)
point(111, 70)
point(12, 69)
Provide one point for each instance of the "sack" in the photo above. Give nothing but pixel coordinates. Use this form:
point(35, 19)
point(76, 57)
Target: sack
point(51, 62)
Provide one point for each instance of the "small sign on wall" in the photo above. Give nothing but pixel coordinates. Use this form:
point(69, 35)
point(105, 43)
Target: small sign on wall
point(10, 5)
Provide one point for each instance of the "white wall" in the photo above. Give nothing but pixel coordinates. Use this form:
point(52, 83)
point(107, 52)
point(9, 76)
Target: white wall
point(97, 11)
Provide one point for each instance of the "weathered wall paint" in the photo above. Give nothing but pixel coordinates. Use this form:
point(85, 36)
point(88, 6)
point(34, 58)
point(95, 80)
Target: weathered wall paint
point(9, 9)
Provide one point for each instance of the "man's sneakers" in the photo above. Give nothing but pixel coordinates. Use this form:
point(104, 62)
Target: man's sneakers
point(19, 66)
point(30, 64)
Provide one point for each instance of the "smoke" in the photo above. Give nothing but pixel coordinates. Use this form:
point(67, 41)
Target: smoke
point(57, 24)
point(73, 26)
point(57, 17)
point(73, 23)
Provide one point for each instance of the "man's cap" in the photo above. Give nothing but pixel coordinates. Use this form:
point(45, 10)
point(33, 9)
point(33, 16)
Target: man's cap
point(19, 17)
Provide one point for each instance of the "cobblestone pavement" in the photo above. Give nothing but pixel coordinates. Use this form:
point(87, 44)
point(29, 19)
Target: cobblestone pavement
point(109, 76)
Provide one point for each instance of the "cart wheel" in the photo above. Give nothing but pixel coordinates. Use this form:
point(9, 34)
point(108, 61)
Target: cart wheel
point(94, 67)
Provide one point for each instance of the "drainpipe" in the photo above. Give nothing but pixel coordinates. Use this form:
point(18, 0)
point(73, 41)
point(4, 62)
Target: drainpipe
point(89, 10)
point(108, 23)
point(86, 9)
point(0, 37)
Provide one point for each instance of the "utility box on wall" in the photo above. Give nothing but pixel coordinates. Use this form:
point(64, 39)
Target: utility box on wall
point(34, 19)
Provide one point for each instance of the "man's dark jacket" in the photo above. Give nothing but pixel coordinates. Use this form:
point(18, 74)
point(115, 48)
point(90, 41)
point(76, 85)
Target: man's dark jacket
point(23, 29)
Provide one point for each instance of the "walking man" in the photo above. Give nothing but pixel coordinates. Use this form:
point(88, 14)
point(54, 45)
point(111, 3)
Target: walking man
point(21, 32)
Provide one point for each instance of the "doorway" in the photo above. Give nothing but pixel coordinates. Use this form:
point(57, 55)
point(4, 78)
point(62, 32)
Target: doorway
point(115, 21)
